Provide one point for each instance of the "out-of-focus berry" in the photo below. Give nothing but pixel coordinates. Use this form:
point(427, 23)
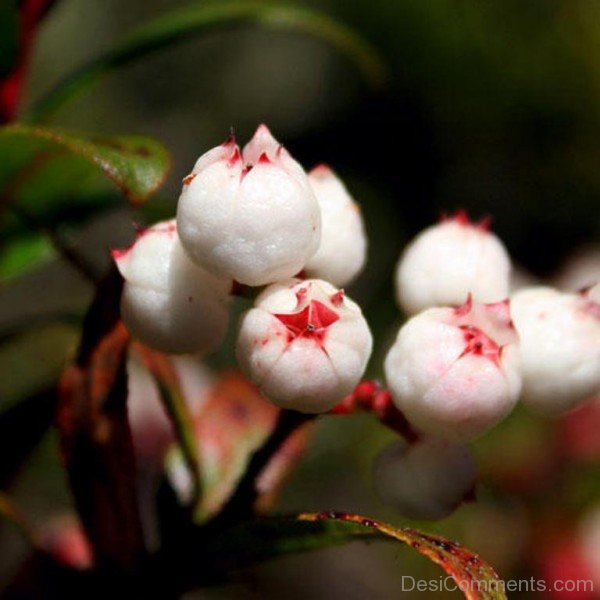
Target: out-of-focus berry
point(427, 479)
point(343, 248)
point(560, 347)
point(454, 372)
point(447, 261)
point(168, 302)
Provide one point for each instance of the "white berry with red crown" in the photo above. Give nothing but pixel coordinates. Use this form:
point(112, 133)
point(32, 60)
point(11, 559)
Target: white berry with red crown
point(447, 261)
point(560, 347)
point(168, 302)
point(454, 372)
point(342, 252)
point(428, 479)
point(252, 215)
point(305, 344)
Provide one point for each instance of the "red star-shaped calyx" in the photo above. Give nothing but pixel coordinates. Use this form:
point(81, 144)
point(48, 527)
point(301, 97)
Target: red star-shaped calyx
point(311, 322)
point(480, 344)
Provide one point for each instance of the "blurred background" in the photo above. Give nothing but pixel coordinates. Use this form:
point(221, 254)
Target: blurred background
point(493, 106)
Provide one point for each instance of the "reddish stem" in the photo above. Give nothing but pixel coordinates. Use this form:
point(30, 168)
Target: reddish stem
point(369, 396)
point(11, 86)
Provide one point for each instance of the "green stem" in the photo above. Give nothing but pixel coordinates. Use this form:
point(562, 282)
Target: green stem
point(181, 418)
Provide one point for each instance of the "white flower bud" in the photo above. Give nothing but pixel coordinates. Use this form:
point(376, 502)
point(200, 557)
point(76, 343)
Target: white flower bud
point(305, 344)
point(342, 252)
point(169, 303)
point(454, 372)
point(560, 347)
point(427, 479)
point(251, 216)
point(447, 261)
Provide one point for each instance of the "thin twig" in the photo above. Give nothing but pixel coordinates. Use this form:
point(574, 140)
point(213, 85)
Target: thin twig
point(180, 416)
point(241, 503)
point(370, 397)
point(178, 412)
point(96, 439)
point(66, 250)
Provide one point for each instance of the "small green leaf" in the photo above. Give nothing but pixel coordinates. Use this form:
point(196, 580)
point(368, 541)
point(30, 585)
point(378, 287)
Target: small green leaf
point(24, 254)
point(271, 537)
point(136, 165)
point(201, 18)
point(9, 35)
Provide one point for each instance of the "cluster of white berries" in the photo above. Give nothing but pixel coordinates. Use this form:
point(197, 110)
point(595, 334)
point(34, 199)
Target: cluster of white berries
point(252, 216)
point(459, 364)
point(459, 367)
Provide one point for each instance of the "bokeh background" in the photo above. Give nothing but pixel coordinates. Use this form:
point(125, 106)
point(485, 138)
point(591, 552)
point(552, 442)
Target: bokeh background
point(493, 106)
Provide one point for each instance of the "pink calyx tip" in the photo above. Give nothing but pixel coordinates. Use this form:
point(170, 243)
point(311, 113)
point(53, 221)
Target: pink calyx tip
point(235, 157)
point(464, 309)
point(321, 170)
point(462, 218)
point(118, 254)
point(230, 142)
point(301, 294)
point(501, 310)
point(337, 298)
point(263, 159)
point(262, 128)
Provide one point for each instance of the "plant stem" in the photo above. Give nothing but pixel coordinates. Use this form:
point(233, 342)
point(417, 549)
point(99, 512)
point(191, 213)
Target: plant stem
point(241, 503)
point(64, 248)
point(180, 416)
point(179, 413)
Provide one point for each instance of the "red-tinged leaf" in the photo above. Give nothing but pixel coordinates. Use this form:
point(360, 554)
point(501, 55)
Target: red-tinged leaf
point(234, 422)
point(475, 578)
point(246, 544)
point(95, 436)
point(137, 165)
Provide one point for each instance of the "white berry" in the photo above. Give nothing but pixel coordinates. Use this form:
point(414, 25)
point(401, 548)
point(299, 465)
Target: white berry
point(454, 372)
point(560, 347)
point(447, 261)
point(250, 216)
point(169, 303)
point(427, 479)
point(342, 252)
point(305, 344)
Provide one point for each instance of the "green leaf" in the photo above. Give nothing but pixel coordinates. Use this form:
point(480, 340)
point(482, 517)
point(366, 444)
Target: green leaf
point(136, 165)
point(24, 254)
point(201, 18)
point(9, 35)
point(266, 538)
